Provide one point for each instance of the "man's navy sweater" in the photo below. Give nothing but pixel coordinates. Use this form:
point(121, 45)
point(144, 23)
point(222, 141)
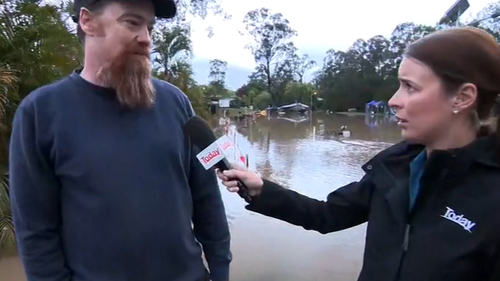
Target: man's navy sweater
point(100, 193)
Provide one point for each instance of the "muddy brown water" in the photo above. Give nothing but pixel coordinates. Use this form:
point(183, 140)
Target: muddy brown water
point(304, 155)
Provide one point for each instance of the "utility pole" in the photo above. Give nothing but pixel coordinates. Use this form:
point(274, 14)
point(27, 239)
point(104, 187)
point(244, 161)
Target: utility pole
point(454, 12)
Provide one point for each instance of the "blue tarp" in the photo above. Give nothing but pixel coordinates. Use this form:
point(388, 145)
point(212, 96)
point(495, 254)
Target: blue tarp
point(375, 106)
point(375, 103)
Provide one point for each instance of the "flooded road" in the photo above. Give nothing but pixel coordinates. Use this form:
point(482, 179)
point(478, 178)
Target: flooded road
point(306, 156)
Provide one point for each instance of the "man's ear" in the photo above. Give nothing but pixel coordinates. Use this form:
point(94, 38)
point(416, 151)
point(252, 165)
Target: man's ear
point(87, 22)
point(466, 97)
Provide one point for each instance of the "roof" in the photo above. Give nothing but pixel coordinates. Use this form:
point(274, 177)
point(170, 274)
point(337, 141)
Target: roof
point(297, 104)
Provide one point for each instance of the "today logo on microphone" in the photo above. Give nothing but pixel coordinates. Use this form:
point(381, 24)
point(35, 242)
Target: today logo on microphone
point(231, 150)
point(225, 143)
point(211, 155)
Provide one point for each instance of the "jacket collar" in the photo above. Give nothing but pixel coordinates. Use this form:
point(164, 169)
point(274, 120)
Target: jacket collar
point(389, 170)
point(484, 151)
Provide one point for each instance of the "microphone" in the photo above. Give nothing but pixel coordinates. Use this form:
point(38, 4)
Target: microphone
point(212, 154)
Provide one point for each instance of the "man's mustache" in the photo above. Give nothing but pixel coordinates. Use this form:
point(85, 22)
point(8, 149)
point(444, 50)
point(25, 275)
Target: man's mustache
point(140, 51)
point(145, 54)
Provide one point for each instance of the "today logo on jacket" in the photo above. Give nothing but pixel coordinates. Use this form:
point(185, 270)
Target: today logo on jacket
point(464, 222)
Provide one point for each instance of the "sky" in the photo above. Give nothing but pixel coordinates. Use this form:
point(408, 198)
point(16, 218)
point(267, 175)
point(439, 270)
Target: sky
point(321, 25)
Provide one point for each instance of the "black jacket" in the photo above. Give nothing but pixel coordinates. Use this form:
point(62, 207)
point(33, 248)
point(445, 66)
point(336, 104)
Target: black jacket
point(451, 234)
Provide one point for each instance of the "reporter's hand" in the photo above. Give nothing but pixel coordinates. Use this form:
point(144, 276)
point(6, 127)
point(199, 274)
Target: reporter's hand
point(250, 179)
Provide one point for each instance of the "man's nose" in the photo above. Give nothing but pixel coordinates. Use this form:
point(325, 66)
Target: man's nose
point(144, 37)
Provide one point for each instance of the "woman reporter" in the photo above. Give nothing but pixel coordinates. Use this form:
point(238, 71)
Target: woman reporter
point(431, 201)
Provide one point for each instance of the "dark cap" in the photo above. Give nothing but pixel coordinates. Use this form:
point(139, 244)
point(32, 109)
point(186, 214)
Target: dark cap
point(164, 9)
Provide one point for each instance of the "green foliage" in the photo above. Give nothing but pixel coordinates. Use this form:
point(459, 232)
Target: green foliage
point(262, 100)
point(38, 46)
point(35, 49)
point(217, 86)
point(7, 238)
point(367, 70)
point(37, 41)
point(172, 48)
point(299, 92)
point(272, 34)
point(347, 79)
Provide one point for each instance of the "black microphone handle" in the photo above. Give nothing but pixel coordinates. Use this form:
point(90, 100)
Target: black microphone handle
point(224, 165)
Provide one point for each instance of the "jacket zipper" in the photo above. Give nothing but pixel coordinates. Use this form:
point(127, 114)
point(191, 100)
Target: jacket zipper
point(406, 242)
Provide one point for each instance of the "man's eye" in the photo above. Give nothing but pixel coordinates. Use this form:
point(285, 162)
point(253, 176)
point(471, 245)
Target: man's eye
point(132, 22)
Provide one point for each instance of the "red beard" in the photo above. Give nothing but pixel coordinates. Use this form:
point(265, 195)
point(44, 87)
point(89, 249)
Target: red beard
point(129, 74)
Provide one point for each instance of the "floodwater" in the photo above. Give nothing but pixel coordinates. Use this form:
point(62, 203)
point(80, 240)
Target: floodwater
point(304, 155)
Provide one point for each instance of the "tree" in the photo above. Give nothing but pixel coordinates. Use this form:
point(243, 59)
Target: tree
point(35, 49)
point(271, 34)
point(184, 80)
point(299, 92)
point(262, 100)
point(7, 106)
point(254, 92)
point(172, 46)
point(366, 71)
point(218, 70)
point(302, 64)
point(488, 19)
point(217, 76)
point(186, 9)
point(38, 46)
point(8, 101)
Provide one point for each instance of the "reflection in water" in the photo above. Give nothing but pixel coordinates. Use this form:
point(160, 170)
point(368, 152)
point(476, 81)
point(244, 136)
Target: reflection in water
point(303, 157)
point(300, 155)
point(374, 120)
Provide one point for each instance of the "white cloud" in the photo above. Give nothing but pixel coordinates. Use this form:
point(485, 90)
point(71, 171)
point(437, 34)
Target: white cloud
point(321, 24)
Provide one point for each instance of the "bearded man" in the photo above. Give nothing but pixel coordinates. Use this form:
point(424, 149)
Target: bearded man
point(104, 185)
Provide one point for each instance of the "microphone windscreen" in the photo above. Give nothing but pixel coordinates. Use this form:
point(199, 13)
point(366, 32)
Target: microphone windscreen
point(199, 132)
